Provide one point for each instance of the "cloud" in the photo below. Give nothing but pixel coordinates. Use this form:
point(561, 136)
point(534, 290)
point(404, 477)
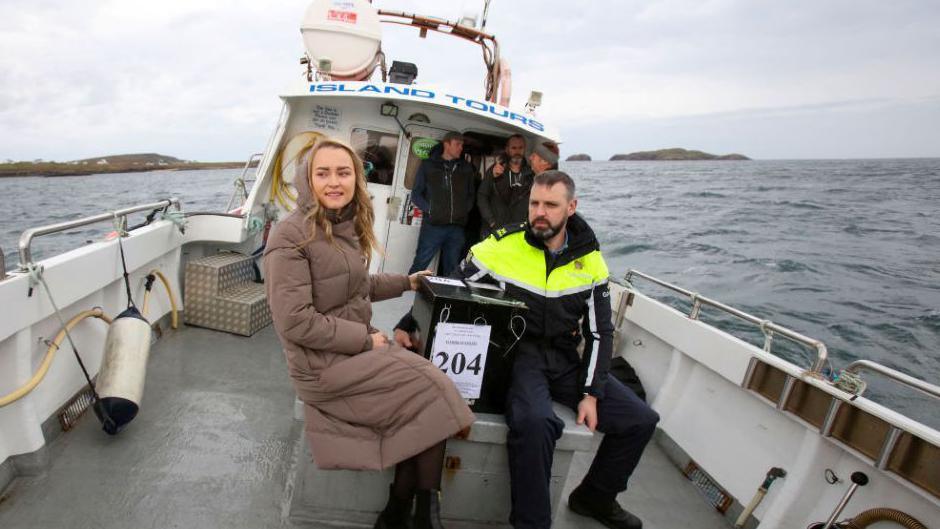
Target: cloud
point(876, 128)
point(199, 79)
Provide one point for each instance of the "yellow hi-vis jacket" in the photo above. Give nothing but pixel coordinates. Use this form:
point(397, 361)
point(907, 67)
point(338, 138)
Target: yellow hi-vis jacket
point(567, 294)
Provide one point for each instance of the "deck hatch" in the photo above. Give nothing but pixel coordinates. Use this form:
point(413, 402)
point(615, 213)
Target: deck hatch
point(713, 493)
point(860, 430)
point(73, 410)
point(767, 381)
point(809, 403)
point(917, 461)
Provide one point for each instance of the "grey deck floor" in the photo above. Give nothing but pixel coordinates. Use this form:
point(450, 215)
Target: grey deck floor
point(212, 447)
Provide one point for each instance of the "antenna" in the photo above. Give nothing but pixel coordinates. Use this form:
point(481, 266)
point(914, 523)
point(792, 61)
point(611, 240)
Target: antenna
point(486, 11)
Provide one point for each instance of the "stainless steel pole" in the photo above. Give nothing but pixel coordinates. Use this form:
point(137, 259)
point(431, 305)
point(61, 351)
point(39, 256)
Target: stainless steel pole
point(859, 479)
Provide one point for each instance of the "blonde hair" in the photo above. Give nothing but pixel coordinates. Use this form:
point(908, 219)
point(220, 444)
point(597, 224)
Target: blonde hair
point(365, 215)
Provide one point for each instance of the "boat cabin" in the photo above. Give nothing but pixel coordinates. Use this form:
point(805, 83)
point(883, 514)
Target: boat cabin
point(393, 127)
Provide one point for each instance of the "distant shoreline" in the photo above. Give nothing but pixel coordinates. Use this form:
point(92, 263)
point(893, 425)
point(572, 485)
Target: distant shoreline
point(676, 154)
point(52, 169)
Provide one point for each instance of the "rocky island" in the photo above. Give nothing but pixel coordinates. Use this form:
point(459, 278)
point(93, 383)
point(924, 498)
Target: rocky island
point(120, 163)
point(578, 158)
point(674, 155)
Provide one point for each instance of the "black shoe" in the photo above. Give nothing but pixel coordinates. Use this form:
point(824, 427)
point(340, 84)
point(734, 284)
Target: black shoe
point(428, 510)
point(604, 510)
point(396, 515)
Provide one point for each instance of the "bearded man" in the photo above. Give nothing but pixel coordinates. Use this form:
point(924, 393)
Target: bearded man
point(553, 263)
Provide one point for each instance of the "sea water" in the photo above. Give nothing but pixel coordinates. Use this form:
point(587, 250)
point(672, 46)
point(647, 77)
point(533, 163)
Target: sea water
point(844, 251)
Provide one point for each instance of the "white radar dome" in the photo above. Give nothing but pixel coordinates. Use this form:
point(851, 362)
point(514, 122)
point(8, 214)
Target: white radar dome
point(347, 32)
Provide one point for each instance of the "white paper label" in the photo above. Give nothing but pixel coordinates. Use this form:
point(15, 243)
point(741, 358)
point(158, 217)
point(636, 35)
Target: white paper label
point(445, 281)
point(459, 350)
point(325, 118)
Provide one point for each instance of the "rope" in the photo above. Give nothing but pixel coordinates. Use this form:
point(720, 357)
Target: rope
point(176, 217)
point(36, 278)
point(255, 225)
point(119, 227)
point(850, 382)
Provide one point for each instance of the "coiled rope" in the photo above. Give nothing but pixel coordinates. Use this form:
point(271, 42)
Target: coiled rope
point(850, 382)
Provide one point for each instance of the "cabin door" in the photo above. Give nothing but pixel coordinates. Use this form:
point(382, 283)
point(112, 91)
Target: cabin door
point(378, 150)
point(404, 226)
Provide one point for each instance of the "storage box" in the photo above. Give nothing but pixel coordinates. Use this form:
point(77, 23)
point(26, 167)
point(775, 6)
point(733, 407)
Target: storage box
point(221, 295)
point(454, 302)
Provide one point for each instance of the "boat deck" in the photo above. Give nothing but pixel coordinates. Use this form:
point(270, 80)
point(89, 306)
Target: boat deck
point(213, 447)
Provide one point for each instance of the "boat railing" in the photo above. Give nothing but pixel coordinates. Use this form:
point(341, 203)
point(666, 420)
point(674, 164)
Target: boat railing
point(893, 374)
point(3, 265)
point(767, 327)
point(241, 183)
point(118, 216)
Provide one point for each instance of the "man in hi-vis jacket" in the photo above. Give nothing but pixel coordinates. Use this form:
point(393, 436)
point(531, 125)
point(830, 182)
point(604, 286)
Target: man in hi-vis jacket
point(553, 263)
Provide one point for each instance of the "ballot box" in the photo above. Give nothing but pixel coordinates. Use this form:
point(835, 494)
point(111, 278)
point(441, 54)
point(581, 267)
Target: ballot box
point(471, 332)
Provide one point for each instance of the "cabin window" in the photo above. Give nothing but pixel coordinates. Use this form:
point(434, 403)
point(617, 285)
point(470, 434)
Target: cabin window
point(478, 148)
point(420, 149)
point(378, 151)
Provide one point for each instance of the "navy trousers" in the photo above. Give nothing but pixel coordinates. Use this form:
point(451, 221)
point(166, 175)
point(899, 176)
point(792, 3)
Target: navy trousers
point(540, 375)
point(448, 238)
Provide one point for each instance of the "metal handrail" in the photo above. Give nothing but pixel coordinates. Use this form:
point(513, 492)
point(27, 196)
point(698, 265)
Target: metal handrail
point(3, 265)
point(767, 327)
point(240, 183)
point(26, 239)
point(894, 374)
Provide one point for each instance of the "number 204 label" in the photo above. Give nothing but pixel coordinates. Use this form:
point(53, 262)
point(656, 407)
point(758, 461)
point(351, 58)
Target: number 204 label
point(459, 350)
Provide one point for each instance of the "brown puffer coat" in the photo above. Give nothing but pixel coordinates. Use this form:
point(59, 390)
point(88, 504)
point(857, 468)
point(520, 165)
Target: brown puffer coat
point(364, 409)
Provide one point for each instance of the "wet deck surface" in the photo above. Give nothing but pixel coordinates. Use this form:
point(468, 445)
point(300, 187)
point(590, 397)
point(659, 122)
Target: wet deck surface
point(212, 447)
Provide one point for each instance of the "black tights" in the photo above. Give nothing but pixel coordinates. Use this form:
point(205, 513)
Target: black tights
point(420, 472)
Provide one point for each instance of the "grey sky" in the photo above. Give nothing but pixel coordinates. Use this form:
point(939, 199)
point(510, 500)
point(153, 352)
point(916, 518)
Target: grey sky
point(198, 79)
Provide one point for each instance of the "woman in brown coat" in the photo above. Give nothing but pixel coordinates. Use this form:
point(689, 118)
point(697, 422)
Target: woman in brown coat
point(368, 404)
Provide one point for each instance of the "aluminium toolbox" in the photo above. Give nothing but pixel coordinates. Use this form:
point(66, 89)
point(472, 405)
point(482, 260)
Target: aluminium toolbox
point(221, 294)
point(456, 302)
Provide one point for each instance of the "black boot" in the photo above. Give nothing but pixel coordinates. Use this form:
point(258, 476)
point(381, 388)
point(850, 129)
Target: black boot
point(397, 513)
point(603, 508)
point(428, 510)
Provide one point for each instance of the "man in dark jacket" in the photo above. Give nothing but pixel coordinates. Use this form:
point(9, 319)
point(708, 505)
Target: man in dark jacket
point(553, 263)
point(503, 197)
point(544, 157)
point(444, 190)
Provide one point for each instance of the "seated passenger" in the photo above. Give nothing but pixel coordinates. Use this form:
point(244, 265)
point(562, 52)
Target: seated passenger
point(503, 196)
point(554, 264)
point(368, 404)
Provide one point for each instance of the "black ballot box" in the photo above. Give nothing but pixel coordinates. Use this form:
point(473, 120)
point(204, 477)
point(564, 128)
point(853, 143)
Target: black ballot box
point(456, 349)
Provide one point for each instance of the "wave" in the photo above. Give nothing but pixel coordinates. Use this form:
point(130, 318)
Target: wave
point(855, 229)
point(864, 308)
point(931, 321)
point(803, 205)
point(848, 332)
point(927, 239)
point(705, 248)
point(629, 249)
point(704, 194)
point(896, 333)
point(716, 231)
point(782, 265)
